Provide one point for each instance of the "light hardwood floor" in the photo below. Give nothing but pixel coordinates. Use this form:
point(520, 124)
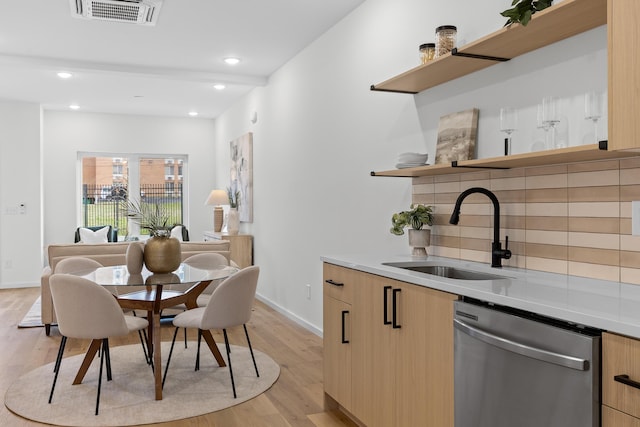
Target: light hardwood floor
point(296, 399)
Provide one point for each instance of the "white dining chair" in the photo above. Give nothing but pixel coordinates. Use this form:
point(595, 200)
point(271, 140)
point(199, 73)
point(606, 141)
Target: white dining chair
point(86, 310)
point(230, 305)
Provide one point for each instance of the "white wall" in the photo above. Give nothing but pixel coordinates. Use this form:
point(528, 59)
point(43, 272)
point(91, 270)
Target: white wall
point(320, 131)
point(67, 133)
point(20, 183)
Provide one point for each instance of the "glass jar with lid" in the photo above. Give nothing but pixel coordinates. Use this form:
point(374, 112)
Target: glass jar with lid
point(445, 39)
point(427, 52)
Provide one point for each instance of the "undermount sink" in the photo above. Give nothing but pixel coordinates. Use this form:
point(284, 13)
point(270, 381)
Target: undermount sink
point(446, 271)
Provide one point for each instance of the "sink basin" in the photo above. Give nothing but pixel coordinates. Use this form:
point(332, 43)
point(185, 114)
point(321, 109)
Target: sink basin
point(447, 271)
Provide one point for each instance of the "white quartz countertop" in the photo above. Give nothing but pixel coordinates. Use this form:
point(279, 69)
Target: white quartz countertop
point(611, 306)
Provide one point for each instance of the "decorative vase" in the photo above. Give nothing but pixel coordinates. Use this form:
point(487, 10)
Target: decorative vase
point(135, 258)
point(162, 254)
point(233, 221)
point(419, 240)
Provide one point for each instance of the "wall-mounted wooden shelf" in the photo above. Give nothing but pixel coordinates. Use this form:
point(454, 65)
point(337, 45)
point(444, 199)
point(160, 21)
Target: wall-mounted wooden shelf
point(582, 153)
point(558, 22)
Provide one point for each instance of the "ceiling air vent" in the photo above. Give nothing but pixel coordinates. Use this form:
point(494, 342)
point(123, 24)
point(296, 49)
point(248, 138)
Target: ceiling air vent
point(141, 12)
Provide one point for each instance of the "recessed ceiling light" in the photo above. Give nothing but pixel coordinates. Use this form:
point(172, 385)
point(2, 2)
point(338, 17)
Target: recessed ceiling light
point(193, 113)
point(219, 86)
point(232, 61)
point(65, 75)
point(74, 106)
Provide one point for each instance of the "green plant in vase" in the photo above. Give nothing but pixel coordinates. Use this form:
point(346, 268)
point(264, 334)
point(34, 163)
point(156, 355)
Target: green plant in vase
point(415, 219)
point(233, 217)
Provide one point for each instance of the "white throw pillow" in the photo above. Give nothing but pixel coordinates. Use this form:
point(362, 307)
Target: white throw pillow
point(89, 236)
point(177, 232)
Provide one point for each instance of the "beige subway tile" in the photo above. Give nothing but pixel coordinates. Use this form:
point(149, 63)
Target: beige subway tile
point(594, 194)
point(594, 209)
point(547, 209)
point(476, 177)
point(546, 223)
point(594, 271)
point(630, 162)
point(537, 250)
point(447, 187)
point(593, 166)
point(510, 196)
point(546, 181)
point(421, 180)
point(445, 199)
point(452, 241)
point(548, 265)
point(424, 199)
point(506, 173)
point(473, 208)
point(594, 179)
point(629, 259)
point(630, 243)
point(513, 209)
point(625, 209)
point(546, 170)
point(516, 261)
point(465, 185)
point(547, 237)
point(477, 256)
point(517, 183)
point(602, 225)
point(629, 193)
point(423, 188)
point(594, 256)
point(547, 195)
point(630, 176)
point(476, 232)
point(625, 226)
point(630, 275)
point(475, 244)
point(440, 179)
point(445, 251)
point(594, 240)
point(513, 222)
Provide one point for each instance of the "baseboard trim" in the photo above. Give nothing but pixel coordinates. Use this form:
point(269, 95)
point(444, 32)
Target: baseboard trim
point(291, 316)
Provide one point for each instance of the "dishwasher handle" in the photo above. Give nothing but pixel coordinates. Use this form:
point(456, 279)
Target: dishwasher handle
point(522, 349)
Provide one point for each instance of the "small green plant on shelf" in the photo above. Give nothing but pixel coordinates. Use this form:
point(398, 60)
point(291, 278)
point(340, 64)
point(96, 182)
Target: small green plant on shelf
point(522, 11)
point(234, 197)
point(416, 217)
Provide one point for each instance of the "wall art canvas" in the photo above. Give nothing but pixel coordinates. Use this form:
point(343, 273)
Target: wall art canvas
point(457, 134)
point(242, 174)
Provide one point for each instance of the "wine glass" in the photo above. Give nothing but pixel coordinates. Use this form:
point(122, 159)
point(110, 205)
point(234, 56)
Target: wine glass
point(541, 124)
point(593, 110)
point(550, 116)
point(508, 125)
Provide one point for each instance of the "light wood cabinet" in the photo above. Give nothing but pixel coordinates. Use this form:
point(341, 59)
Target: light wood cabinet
point(620, 380)
point(562, 20)
point(401, 349)
point(241, 246)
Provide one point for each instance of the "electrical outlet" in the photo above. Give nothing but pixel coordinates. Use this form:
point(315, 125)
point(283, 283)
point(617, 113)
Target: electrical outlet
point(635, 218)
point(308, 291)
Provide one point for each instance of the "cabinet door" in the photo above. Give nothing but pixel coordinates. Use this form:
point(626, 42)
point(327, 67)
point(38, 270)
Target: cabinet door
point(337, 350)
point(373, 368)
point(613, 418)
point(621, 356)
point(424, 357)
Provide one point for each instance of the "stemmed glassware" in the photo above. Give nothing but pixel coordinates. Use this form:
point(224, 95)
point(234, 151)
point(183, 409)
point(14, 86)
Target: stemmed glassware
point(550, 117)
point(541, 124)
point(593, 110)
point(508, 125)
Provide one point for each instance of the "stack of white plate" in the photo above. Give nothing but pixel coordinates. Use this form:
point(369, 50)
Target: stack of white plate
point(412, 160)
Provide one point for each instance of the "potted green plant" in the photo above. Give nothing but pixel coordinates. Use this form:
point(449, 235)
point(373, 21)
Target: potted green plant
point(233, 217)
point(522, 11)
point(162, 253)
point(415, 219)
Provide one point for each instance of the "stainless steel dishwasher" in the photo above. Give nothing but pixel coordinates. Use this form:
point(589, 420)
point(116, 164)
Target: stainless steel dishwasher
point(515, 368)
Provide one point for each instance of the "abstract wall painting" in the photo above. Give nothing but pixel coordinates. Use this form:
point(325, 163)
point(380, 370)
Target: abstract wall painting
point(242, 174)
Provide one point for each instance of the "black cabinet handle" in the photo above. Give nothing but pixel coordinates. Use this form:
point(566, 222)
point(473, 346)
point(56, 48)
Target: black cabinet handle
point(385, 302)
point(344, 340)
point(624, 379)
point(395, 308)
point(332, 282)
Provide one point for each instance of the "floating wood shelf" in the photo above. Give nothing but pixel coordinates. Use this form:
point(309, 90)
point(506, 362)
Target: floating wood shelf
point(558, 22)
point(582, 153)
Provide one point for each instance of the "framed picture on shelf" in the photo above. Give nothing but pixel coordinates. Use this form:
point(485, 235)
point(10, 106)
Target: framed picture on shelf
point(457, 133)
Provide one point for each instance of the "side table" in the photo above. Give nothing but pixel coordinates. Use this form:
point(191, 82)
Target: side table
point(241, 246)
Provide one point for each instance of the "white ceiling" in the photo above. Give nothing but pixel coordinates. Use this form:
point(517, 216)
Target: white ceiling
point(168, 69)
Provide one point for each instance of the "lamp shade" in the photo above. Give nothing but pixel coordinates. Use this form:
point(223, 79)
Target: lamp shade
point(217, 198)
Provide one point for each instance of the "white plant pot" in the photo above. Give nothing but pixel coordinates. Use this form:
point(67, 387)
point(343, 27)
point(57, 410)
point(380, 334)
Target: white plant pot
point(419, 240)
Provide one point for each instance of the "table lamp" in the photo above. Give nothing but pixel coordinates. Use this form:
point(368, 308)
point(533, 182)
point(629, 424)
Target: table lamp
point(217, 198)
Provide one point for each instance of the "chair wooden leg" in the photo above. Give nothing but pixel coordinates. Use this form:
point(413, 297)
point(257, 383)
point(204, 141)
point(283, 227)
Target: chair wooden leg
point(166, 368)
point(56, 368)
point(226, 341)
point(251, 349)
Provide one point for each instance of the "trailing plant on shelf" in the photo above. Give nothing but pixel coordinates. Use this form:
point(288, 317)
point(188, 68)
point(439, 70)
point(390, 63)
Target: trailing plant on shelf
point(522, 11)
point(416, 217)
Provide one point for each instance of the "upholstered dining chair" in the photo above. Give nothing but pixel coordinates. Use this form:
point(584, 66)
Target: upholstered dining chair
point(230, 305)
point(86, 310)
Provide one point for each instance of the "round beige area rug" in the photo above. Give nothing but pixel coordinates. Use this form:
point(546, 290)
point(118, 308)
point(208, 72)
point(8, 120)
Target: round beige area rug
point(129, 399)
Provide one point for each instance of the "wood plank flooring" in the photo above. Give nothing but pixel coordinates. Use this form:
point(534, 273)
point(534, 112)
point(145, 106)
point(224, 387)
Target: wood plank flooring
point(296, 399)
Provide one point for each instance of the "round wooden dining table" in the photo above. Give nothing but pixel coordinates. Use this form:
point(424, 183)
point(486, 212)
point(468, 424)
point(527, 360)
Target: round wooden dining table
point(153, 295)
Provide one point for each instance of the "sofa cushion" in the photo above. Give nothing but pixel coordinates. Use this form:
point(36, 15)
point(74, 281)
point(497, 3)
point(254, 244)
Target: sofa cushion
point(98, 236)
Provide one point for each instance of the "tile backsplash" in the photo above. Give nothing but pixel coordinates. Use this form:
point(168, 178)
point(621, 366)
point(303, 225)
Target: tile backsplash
point(569, 219)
